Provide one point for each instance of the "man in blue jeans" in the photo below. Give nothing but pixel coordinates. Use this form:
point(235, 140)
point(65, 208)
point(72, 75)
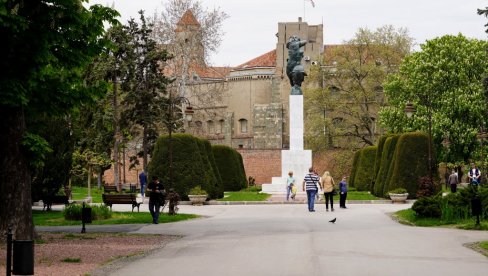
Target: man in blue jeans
point(311, 184)
point(143, 181)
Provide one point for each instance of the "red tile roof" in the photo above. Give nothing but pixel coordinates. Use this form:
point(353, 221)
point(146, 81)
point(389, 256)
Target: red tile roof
point(188, 19)
point(266, 60)
point(212, 72)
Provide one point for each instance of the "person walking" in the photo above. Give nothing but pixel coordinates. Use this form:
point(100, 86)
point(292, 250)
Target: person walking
point(290, 182)
point(311, 184)
point(453, 181)
point(329, 186)
point(474, 175)
point(143, 181)
point(156, 189)
point(343, 193)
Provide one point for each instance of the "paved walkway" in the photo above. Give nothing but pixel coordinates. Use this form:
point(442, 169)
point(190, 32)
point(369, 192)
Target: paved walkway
point(288, 240)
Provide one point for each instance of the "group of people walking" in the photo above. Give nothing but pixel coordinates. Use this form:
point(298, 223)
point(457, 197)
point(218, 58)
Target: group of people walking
point(312, 183)
point(474, 178)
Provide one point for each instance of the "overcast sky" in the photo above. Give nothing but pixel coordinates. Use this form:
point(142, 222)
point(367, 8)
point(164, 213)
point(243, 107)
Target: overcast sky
point(252, 24)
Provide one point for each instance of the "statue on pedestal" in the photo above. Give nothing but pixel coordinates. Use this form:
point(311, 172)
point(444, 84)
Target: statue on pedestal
point(294, 69)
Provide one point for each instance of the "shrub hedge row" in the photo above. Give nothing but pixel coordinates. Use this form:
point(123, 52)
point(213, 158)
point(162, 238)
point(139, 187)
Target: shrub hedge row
point(399, 161)
point(192, 165)
point(352, 176)
point(230, 165)
point(364, 175)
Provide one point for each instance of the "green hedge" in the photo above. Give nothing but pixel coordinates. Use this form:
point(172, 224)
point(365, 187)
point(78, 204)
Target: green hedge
point(354, 168)
point(377, 163)
point(219, 190)
point(410, 162)
point(365, 170)
point(191, 165)
point(230, 166)
point(387, 153)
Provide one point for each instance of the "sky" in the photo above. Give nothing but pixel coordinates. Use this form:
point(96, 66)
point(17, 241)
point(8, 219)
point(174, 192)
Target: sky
point(256, 21)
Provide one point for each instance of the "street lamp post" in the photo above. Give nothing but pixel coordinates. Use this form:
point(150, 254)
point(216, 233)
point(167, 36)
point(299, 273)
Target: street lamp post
point(481, 137)
point(188, 115)
point(410, 110)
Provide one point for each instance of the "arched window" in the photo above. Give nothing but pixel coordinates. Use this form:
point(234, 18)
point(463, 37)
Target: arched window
point(243, 125)
point(210, 127)
point(220, 127)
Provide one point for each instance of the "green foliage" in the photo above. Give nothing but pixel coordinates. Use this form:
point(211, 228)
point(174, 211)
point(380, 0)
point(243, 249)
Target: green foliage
point(453, 207)
point(364, 173)
point(211, 183)
point(229, 163)
point(191, 165)
point(355, 73)
point(98, 212)
point(197, 190)
point(354, 167)
point(429, 207)
point(387, 154)
point(447, 75)
point(398, 191)
point(37, 147)
point(410, 162)
point(379, 152)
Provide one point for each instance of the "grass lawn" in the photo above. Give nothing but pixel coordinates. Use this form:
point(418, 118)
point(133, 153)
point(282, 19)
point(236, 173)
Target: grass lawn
point(244, 196)
point(55, 218)
point(409, 217)
point(484, 245)
point(355, 195)
point(79, 193)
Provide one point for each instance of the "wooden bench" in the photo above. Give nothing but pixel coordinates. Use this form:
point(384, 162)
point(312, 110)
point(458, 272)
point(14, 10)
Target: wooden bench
point(55, 199)
point(110, 199)
point(109, 188)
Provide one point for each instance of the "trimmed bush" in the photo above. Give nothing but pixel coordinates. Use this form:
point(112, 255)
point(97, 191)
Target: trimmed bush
point(209, 182)
point(230, 166)
point(354, 168)
point(387, 154)
point(364, 172)
point(98, 212)
point(377, 163)
point(190, 164)
point(219, 190)
point(428, 207)
point(410, 162)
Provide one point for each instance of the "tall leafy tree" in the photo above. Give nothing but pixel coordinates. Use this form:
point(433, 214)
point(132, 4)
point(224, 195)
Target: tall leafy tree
point(344, 106)
point(115, 66)
point(145, 102)
point(446, 76)
point(45, 46)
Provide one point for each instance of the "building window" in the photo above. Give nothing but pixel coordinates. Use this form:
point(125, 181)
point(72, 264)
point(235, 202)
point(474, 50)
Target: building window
point(210, 127)
point(220, 127)
point(243, 125)
point(198, 126)
point(337, 121)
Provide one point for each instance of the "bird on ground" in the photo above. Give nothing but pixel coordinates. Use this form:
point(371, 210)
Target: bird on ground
point(333, 221)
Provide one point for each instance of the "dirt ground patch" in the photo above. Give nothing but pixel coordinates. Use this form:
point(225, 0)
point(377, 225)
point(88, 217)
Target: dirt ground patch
point(78, 254)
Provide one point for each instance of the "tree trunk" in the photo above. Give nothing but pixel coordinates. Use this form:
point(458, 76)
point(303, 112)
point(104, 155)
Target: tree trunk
point(116, 137)
point(123, 166)
point(15, 182)
point(144, 148)
point(99, 180)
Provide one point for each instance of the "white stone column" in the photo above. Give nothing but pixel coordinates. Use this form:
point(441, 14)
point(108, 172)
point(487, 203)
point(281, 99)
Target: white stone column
point(296, 122)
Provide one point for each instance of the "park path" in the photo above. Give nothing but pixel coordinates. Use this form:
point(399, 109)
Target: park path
point(288, 240)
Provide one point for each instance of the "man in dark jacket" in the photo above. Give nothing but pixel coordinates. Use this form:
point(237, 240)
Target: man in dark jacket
point(155, 198)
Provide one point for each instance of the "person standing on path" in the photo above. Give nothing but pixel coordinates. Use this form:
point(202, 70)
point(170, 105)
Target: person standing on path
point(143, 181)
point(343, 193)
point(328, 185)
point(156, 192)
point(474, 175)
point(453, 181)
point(311, 184)
point(290, 181)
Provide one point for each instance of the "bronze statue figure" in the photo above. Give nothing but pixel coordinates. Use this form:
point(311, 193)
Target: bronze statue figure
point(294, 69)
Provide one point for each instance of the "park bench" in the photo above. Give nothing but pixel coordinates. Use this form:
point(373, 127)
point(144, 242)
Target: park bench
point(109, 188)
point(110, 199)
point(54, 199)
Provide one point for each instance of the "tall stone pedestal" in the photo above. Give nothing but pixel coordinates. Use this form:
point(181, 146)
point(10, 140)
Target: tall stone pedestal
point(296, 159)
